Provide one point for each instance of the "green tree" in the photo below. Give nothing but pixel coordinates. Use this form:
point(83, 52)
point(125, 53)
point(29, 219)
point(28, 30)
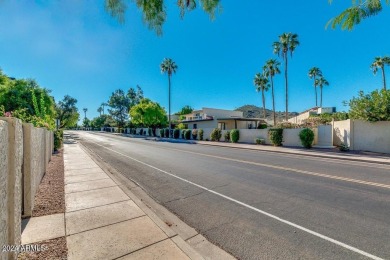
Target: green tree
point(287, 44)
point(371, 107)
point(169, 67)
point(148, 114)
point(262, 85)
point(379, 63)
point(185, 110)
point(270, 69)
point(26, 100)
point(86, 122)
point(135, 96)
point(119, 104)
point(98, 122)
point(321, 82)
point(154, 11)
point(313, 74)
point(67, 112)
point(360, 10)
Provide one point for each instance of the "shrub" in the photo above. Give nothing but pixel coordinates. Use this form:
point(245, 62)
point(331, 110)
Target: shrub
point(194, 134)
point(307, 137)
point(286, 125)
point(181, 126)
point(372, 107)
point(276, 136)
point(234, 135)
point(166, 133)
point(200, 132)
point(262, 126)
point(343, 147)
point(216, 134)
point(176, 133)
point(187, 134)
point(58, 137)
point(150, 131)
point(259, 141)
point(162, 132)
point(227, 136)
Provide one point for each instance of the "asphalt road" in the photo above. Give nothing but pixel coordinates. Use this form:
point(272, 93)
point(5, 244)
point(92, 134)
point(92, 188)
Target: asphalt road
point(261, 205)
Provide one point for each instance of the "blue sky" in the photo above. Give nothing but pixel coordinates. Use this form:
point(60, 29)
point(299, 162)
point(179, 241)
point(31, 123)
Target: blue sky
point(74, 47)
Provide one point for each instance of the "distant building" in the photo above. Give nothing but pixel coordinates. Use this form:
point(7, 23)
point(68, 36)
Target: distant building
point(299, 119)
point(221, 118)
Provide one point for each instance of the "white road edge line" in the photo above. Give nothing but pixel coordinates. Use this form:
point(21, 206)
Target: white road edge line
point(354, 249)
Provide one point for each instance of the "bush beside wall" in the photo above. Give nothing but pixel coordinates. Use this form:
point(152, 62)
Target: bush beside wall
point(216, 134)
point(276, 136)
point(200, 132)
point(234, 135)
point(307, 137)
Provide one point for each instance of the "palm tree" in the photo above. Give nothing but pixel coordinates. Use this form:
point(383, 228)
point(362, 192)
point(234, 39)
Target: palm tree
point(287, 43)
point(169, 66)
point(313, 73)
point(380, 62)
point(103, 105)
point(320, 82)
point(100, 109)
point(270, 69)
point(262, 84)
point(85, 112)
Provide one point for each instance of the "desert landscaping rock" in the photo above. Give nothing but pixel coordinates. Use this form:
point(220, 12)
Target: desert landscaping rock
point(50, 196)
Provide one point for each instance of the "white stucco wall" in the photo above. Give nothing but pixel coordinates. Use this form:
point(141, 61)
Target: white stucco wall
point(324, 136)
point(374, 137)
point(342, 132)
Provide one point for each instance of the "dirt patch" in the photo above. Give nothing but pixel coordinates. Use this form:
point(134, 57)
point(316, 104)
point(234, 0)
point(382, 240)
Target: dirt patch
point(50, 249)
point(50, 198)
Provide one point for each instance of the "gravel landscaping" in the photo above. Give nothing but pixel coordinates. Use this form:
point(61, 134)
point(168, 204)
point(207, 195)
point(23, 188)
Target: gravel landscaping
point(50, 199)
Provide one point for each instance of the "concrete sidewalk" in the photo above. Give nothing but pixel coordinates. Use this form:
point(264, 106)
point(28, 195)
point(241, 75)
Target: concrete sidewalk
point(101, 221)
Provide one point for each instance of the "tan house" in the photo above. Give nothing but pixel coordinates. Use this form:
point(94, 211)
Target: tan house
point(221, 118)
point(300, 119)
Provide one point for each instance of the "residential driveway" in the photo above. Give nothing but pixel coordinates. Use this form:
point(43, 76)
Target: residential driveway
point(261, 205)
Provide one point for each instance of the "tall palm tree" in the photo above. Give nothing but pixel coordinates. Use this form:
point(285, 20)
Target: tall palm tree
point(169, 67)
point(313, 73)
point(85, 112)
point(320, 82)
point(100, 109)
point(262, 84)
point(103, 105)
point(270, 69)
point(286, 44)
point(380, 62)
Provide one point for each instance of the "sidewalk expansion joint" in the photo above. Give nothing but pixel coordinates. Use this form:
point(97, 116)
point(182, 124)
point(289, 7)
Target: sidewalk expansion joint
point(113, 185)
point(105, 225)
point(139, 249)
point(99, 205)
point(87, 180)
